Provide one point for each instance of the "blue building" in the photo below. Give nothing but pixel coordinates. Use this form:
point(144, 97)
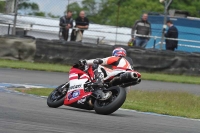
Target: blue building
point(189, 29)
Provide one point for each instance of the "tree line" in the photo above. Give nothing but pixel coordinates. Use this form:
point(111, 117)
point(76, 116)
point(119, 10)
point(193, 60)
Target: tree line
point(126, 12)
point(25, 7)
point(112, 12)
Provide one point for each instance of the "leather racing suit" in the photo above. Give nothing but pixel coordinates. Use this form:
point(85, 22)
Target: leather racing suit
point(117, 63)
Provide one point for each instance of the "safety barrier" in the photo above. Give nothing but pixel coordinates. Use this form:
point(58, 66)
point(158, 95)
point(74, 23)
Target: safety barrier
point(16, 48)
point(148, 60)
point(57, 51)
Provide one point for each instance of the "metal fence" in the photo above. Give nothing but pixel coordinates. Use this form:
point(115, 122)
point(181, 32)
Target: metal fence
point(41, 20)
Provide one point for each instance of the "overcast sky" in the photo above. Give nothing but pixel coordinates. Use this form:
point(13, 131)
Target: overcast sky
point(56, 7)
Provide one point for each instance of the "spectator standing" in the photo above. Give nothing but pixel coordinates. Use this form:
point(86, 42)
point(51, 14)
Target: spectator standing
point(171, 33)
point(82, 23)
point(141, 27)
point(66, 22)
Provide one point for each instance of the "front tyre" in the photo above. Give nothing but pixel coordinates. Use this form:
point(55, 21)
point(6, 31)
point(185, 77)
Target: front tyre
point(112, 104)
point(57, 97)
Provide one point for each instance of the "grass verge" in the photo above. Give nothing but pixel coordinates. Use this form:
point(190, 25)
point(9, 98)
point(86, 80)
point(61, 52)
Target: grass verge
point(36, 91)
point(65, 68)
point(171, 78)
point(163, 102)
point(34, 66)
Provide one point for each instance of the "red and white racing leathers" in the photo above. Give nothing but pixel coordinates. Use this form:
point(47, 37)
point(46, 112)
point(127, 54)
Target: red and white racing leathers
point(118, 64)
point(115, 62)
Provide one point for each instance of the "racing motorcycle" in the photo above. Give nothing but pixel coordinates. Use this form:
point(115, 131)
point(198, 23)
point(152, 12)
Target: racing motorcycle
point(79, 92)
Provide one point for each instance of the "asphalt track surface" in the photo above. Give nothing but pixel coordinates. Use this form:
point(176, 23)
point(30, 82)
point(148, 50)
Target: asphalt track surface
point(57, 78)
point(30, 114)
point(25, 114)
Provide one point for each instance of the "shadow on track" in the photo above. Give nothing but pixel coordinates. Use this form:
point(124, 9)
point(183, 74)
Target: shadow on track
point(77, 110)
point(116, 114)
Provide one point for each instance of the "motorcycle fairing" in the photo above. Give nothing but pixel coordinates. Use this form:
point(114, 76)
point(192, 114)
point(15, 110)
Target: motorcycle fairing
point(76, 90)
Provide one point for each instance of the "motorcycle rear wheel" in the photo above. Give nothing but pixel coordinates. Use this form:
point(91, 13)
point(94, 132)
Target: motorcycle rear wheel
point(56, 98)
point(112, 104)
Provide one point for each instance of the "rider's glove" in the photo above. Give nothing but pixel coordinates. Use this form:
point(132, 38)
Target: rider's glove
point(98, 61)
point(82, 62)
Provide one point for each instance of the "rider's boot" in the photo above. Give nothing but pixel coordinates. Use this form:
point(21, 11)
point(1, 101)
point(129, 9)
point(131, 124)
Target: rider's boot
point(106, 96)
point(100, 95)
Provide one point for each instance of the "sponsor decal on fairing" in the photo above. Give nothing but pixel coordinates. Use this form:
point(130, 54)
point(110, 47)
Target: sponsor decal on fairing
point(73, 94)
point(75, 87)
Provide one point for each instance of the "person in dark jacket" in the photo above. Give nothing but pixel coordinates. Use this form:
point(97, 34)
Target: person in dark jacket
point(171, 33)
point(82, 23)
point(141, 27)
point(66, 22)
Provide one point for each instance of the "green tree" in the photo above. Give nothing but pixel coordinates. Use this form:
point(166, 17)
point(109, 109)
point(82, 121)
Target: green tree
point(92, 9)
point(28, 8)
point(106, 12)
point(53, 16)
point(90, 6)
point(75, 8)
point(128, 11)
point(42, 14)
point(187, 5)
point(2, 6)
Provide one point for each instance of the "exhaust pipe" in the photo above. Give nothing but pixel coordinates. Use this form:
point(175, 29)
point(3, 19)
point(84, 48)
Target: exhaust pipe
point(134, 75)
point(138, 80)
point(132, 83)
point(125, 78)
point(128, 77)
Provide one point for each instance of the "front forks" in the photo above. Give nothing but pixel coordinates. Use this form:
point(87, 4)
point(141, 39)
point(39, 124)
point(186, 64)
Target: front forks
point(64, 88)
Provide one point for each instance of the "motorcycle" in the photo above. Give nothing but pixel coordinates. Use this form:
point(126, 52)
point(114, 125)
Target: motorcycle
point(79, 92)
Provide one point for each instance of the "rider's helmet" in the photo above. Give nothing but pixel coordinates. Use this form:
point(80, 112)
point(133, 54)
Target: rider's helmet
point(119, 52)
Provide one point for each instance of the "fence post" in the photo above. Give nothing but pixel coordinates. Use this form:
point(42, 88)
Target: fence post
point(15, 18)
point(154, 45)
point(8, 29)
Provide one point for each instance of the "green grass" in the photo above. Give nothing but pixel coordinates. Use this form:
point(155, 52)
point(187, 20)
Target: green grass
point(36, 91)
point(163, 102)
point(34, 66)
point(65, 68)
point(171, 78)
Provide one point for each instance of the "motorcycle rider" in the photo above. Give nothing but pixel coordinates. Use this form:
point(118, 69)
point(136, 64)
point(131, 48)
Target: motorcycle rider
point(118, 61)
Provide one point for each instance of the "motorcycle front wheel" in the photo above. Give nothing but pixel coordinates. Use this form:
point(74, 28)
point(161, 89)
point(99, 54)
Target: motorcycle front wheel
point(112, 104)
point(57, 97)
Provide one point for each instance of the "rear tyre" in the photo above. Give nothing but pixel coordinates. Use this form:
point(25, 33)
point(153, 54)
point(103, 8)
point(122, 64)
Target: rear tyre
point(57, 97)
point(112, 104)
